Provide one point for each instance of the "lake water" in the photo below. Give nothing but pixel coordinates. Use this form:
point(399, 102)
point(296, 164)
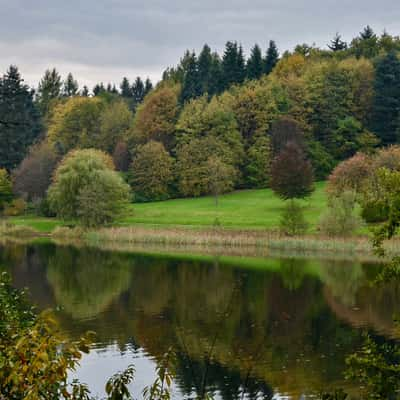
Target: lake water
point(278, 328)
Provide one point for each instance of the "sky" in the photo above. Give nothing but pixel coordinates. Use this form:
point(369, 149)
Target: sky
point(104, 40)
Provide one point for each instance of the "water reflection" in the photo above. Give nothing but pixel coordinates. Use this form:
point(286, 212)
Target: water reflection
point(284, 326)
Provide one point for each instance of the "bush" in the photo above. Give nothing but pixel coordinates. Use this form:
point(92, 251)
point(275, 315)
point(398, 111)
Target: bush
point(16, 207)
point(292, 221)
point(151, 172)
point(350, 175)
point(341, 219)
point(5, 189)
point(87, 188)
point(375, 211)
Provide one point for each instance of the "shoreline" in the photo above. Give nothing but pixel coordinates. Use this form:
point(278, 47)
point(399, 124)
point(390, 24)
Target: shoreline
point(258, 243)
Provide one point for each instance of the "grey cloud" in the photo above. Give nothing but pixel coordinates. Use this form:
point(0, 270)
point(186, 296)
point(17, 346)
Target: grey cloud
point(102, 40)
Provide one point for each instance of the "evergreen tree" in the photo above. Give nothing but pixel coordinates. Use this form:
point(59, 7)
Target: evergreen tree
point(19, 119)
point(386, 110)
point(255, 66)
point(337, 44)
point(85, 91)
point(138, 90)
point(191, 83)
point(216, 77)
point(367, 33)
point(70, 86)
point(240, 66)
point(229, 64)
point(98, 89)
point(125, 87)
point(148, 87)
point(204, 63)
point(271, 58)
point(49, 89)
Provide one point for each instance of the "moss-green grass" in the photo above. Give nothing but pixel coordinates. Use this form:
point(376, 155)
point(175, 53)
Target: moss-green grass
point(246, 209)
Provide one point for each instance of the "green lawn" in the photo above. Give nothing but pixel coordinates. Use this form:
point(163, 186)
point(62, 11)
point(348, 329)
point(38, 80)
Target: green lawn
point(242, 209)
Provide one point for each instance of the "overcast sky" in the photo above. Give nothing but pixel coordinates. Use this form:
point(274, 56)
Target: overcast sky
point(104, 40)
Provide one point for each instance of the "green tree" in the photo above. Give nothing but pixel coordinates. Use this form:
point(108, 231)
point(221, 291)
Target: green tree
point(139, 90)
point(366, 44)
point(271, 58)
point(221, 177)
point(386, 110)
point(151, 172)
point(205, 71)
point(6, 193)
point(233, 65)
point(116, 121)
point(20, 121)
point(337, 44)
point(191, 85)
point(49, 89)
point(258, 163)
point(71, 87)
point(291, 173)
point(292, 221)
point(254, 68)
point(86, 188)
point(125, 88)
point(76, 123)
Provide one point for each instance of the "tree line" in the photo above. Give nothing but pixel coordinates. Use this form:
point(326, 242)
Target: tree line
point(212, 124)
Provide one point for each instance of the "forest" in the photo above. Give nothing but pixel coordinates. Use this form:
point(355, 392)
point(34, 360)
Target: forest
point(214, 123)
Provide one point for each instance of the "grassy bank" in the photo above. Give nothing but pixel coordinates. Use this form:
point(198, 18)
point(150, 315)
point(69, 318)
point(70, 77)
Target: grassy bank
point(247, 209)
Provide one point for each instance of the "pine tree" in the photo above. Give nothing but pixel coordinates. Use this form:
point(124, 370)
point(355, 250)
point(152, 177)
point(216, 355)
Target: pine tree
point(71, 86)
point(19, 119)
point(233, 65)
point(98, 89)
point(216, 78)
point(255, 66)
point(138, 90)
point(48, 90)
point(85, 91)
point(125, 87)
point(337, 44)
point(204, 63)
point(386, 110)
point(271, 58)
point(191, 83)
point(367, 33)
point(148, 87)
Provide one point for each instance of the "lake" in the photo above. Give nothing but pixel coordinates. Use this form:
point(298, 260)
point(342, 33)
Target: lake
point(273, 327)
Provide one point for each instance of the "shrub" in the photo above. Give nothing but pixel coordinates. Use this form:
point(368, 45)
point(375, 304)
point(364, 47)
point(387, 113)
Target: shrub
point(341, 219)
point(375, 211)
point(350, 175)
point(292, 220)
point(16, 207)
point(33, 176)
point(87, 188)
point(291, 174)
point(388, 157)
point(151, 172)
point(5, 189)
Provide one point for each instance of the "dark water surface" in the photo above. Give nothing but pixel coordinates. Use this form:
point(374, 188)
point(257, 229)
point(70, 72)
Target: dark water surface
point(282, 328)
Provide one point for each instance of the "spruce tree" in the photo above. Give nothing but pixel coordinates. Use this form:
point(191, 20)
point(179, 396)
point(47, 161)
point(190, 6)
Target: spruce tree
point(271, 58)
point(19, 119)
point(49, 89)
point(216, 83)
point(191, 83)
point(255, 66)
point(70, 86)
point(85, 91)
point(125, 87)
point(204, 63)
point(138, 90)
point(367, 33)
point(337, 44)
point(99, 89)
point(148, 87)
point(386, 109)
point(233, 65)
